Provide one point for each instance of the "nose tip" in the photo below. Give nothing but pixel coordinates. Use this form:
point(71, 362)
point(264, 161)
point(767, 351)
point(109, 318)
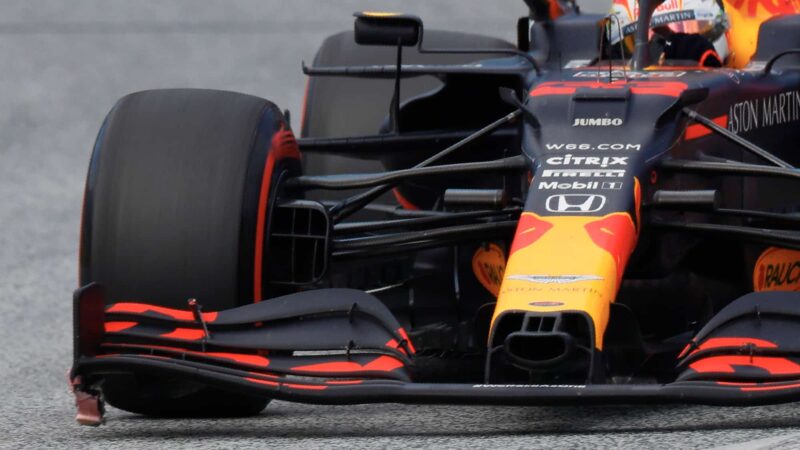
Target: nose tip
point(530, 347)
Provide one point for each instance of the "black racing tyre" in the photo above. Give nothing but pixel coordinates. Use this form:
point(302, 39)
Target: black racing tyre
point(176, 206)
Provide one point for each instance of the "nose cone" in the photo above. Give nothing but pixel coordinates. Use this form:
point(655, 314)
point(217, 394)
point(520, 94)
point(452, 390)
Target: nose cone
point(567, 263)
point(569, 253)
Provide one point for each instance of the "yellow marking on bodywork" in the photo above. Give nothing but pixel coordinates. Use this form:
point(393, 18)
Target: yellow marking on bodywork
point(584, 258)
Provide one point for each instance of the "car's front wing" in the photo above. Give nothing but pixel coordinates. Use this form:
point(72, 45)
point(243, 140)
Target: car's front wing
point(346, 350)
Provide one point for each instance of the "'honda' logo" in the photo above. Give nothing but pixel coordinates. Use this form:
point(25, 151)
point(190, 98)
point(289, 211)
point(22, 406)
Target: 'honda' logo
point(577, 203)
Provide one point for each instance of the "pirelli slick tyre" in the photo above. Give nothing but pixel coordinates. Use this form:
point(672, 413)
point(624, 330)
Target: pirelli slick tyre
point(176, 207)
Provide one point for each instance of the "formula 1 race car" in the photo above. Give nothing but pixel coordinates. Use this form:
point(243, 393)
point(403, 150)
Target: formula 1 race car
point(463, 220)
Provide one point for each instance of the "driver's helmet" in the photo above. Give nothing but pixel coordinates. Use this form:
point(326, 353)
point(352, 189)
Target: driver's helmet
point(703, 17)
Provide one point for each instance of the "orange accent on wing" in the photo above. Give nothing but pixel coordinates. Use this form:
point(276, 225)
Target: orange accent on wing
point(283, 145)
point(187, 334)
point(310, 387)
point(252, 360)
point(113, 327)
point(699, 130)
point(666, 88)
point(260, 381)
point(735, 341)
point(344, 381)
point(393, 344)
point(737, 383)
point(141, 308)
point(384, 364)
point(380, 364)
point(529, 230)
point(409, 344)
point(616, 235)
point(727, 342)
point(404, 202)
point(724, 364)
point(770, 388)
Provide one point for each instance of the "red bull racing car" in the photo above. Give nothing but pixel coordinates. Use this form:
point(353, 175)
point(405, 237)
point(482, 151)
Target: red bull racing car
point(585, 216)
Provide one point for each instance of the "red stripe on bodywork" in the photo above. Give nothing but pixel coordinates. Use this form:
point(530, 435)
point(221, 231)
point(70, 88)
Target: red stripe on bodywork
point(615, 234)
point(699, 130)
point(665, 88)
point(529, 229)
point(141, 308)
point(283, 146)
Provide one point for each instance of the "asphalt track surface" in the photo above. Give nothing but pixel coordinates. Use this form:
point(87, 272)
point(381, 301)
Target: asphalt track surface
point(62, 66)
